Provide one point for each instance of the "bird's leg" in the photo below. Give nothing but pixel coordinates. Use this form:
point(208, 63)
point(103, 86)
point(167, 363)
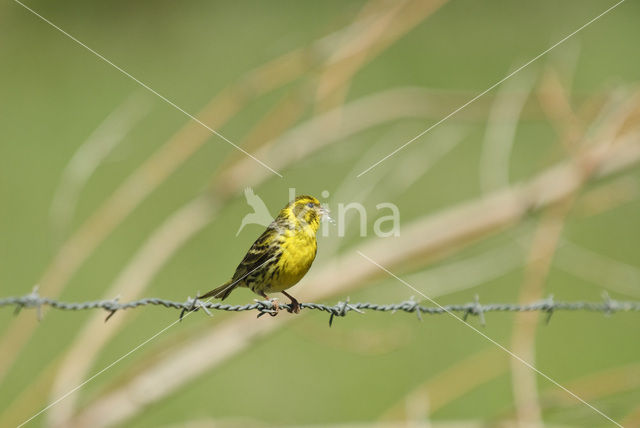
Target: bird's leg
point(295, 306)
point(273, 301)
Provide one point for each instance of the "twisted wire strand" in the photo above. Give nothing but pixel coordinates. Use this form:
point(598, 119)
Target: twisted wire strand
point(341, 309)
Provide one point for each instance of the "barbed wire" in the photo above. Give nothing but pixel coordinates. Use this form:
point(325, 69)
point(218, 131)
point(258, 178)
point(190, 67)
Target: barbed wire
point(341, 309)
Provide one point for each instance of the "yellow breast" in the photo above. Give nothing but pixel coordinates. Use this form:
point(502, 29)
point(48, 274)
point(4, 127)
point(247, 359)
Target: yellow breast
point(298, 252)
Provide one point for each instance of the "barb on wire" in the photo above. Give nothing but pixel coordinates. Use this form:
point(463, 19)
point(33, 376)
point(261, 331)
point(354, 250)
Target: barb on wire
point(608, 306)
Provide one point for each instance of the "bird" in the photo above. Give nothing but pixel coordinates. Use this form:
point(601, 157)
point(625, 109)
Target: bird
point(281, 256)
point(260, 214)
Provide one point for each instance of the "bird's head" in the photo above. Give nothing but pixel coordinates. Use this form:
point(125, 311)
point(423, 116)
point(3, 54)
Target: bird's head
point(306, 211)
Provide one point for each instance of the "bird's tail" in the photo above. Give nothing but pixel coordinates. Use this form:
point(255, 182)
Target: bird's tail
point(221, 292)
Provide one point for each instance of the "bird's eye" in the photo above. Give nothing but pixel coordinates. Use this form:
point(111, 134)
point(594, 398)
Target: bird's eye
point(310, 204)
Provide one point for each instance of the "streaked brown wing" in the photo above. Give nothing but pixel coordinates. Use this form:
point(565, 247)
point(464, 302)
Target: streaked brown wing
point(266, 247)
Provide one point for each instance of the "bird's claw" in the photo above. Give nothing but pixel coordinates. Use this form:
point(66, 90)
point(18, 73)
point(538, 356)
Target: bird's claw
point(294, 307)
point(273, 310)
point(276, 307)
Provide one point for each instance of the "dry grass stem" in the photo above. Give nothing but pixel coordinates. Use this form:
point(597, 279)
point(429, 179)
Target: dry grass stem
point(454, 382)
point(608, 196)
point(318, 132)
point(524, 381)
point(501, 131)
point(88, 157)
point(598, 269)
point(598, 385)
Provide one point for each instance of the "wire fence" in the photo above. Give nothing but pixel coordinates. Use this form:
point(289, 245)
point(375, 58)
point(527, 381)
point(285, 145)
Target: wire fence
point(549, 306)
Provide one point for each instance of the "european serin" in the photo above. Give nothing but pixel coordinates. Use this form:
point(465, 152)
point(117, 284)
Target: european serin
point(282, 255)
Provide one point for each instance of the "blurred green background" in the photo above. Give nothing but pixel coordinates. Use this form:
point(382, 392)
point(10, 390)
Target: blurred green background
point(366, 369)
